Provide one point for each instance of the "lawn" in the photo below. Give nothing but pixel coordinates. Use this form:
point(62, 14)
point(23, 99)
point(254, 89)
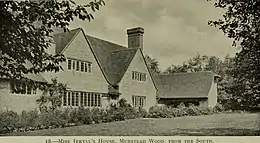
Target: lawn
point(213, 125)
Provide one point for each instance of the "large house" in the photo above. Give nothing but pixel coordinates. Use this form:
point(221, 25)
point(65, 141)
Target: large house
point(98, 73)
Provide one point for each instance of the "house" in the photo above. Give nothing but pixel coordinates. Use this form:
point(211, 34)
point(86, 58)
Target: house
point(198, 88)
point(97, 73)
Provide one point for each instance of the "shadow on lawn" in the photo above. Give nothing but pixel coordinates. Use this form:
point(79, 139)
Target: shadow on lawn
point(216, 132)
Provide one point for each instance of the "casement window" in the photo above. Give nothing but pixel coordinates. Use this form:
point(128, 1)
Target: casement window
point(138, 101)
point(78, 65)
point(138, 76)
point(73, 64)
point(69, 64)
point(89, 67)
point(81, 99)
point(82, 67)
point(86, 67)
point(64, 99)
point(21, 88)
point(75, 98)
point(68, 99)
point(72, 99)
point(85, 100)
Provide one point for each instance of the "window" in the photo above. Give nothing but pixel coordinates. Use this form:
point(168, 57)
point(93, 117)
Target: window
point(89, 67)
point(89, 99)
point(69, 64)
point(86, 67)
point(77, 68)
point(82, 67)
point(72, 99)
point(138, 76)
point(22, 88)
point(81, 99)
point(85, 99)
point(77, 99)
point(73, 64)
point(138, 101)
point(69, 99)
point(92, 99)
point(65, 99)
point(79, 65)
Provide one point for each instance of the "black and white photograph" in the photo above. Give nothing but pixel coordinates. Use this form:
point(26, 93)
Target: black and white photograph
point(129, 68)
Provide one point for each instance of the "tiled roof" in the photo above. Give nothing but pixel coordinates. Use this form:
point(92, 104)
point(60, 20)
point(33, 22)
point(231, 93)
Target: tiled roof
point(34, 77)
point(184, 85)
point(62, 39)
point(114, 59)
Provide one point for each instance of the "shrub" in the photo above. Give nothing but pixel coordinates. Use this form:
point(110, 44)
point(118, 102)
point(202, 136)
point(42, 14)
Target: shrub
point(142, 113)
point(206, 111)
point(51, 119)
point(160, 112)
point(82, 116)
point(218, 108)
point(9, 120)
point(193, 110)
point(98, 115)
point(29, 118)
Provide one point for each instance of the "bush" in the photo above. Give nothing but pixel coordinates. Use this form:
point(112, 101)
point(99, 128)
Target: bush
point(160, 112)
point(29, 118)
point(9, 121)
point(218, 108)
point(51, 119)
point(98, 115)
point(193, 110)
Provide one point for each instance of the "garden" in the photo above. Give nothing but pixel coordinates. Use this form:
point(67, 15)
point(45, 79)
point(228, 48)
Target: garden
point(12, 122)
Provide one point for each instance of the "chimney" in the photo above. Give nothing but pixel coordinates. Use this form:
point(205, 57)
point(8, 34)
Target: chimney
point(135, 37)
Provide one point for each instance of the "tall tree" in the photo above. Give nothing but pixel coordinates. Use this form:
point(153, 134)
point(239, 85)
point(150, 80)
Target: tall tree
point(153, 64)
point(195, 64)
point(21, 40)
point(241, 23)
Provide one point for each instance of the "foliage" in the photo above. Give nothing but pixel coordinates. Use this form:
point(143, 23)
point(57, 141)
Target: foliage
point(153, 64)
point(241, 23)
point(52, 96)
point(27, 29)
point(182, 110)
point(53, 118)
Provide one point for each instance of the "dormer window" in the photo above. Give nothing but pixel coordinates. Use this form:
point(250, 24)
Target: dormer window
point(138, 76)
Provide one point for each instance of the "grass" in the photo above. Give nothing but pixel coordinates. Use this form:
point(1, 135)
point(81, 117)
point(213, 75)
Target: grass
point(213, 125)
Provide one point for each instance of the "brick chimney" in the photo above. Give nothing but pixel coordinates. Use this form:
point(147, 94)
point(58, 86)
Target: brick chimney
point(135, 37)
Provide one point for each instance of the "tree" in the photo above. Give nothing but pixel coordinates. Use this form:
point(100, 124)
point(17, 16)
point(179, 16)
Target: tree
point(23, 41)
point(52, 96)
point(241, 23)
point(153, 64)
point(196, 64)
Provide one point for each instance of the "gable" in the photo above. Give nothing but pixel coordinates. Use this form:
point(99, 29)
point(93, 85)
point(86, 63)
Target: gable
point(112, 58)
point(139, 64)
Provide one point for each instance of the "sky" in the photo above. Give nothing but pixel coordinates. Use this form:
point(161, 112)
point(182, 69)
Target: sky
point(174, 30)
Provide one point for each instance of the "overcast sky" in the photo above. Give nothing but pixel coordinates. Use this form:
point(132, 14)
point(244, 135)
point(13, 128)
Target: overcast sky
point(174, 30)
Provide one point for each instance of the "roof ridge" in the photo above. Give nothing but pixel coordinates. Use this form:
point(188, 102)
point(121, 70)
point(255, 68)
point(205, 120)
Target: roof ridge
point(126, 49)
point(105, 41)
point(186, 73)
